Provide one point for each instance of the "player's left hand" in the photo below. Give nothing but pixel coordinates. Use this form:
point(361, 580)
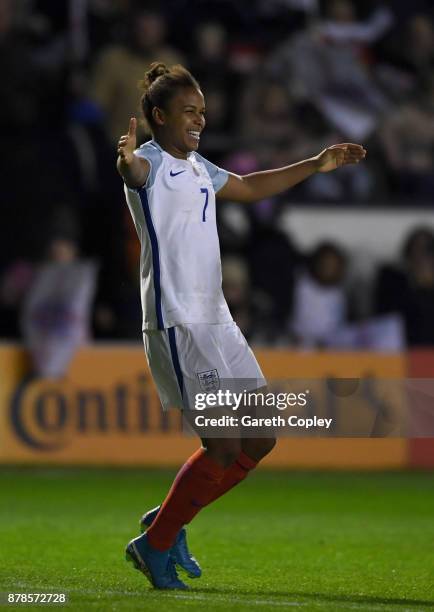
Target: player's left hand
point(339, 155)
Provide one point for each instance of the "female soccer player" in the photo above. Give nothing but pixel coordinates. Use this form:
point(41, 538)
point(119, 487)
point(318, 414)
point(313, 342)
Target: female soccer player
point(189, 336)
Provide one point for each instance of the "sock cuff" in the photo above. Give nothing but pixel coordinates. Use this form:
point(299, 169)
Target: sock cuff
point(246, 462)
point(205, 464)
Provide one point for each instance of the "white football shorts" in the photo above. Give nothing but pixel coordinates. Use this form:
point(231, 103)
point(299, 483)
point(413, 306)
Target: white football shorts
point(200, 358)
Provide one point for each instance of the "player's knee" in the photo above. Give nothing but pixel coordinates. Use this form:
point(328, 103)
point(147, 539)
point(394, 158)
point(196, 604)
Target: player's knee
point(230, 450)
point(224, 451)
point(258, 448)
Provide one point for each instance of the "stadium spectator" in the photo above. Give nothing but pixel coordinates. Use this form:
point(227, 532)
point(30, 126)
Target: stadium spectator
point(267, 122)
point(320, 300)
point(325, 65)
point(57, 309)
point(408, 288)
point(120, 65)
point(407, 136)
point(105, 23)
point(410, 49)
point(19, 91)
point(272, 294)
point(420, 47)
point(210, 55)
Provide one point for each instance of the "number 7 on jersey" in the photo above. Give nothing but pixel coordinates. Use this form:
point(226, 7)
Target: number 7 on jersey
point(205, 191)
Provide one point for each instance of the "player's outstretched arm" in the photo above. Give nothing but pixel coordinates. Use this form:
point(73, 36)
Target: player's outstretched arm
point(134, 170)
point(260, 185)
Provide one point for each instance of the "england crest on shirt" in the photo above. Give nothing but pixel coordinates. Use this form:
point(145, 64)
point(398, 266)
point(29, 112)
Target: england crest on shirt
point(209, 381)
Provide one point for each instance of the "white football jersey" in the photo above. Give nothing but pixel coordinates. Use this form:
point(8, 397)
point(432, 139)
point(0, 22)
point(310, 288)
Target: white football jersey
point(175, 217)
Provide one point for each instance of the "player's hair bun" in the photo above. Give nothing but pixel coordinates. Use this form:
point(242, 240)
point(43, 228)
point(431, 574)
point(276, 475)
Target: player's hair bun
point(159, 86)
point(156, 69)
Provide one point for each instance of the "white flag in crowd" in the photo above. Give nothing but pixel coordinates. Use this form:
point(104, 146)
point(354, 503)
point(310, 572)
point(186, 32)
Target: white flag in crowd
point(56, 316)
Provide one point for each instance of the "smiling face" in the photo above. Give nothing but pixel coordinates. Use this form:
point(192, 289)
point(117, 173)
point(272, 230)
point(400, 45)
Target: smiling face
point(178, 127)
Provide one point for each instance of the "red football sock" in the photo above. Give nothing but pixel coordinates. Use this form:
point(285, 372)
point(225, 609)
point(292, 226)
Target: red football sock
point(193, 488)
point(234, 474)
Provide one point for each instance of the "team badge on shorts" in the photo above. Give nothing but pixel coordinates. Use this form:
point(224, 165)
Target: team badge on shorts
point(209, 381)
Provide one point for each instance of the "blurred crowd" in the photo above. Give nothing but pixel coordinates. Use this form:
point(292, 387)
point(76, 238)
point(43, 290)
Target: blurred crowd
point(283, 79)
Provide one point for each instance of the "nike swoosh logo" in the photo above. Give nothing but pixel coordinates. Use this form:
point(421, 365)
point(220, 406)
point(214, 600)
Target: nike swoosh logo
point(176, 173)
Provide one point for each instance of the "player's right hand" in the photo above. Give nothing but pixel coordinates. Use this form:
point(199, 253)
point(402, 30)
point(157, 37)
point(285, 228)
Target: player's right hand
point(128, 143)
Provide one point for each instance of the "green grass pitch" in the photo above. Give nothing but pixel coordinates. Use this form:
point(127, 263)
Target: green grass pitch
point(281, 540)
